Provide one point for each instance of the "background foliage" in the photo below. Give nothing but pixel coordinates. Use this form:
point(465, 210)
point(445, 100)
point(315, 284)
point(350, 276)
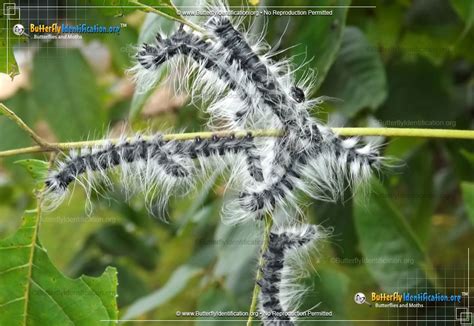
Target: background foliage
point(401, 64)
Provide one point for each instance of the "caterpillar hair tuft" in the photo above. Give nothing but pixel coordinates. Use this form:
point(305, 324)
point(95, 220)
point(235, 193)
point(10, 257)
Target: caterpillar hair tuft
point(242, 87)
point(280, 292)
point(152, 166)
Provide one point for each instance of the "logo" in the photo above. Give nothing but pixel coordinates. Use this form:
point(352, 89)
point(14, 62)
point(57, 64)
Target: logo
point(63, 31)
point(76, 29)
point(18, 30)
point(359, 298)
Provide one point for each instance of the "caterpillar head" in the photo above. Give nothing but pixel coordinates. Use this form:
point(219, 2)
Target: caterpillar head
point(298, 94)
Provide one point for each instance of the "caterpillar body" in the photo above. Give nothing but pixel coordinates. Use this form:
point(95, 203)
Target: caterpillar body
point(212, 69)
point(151, 165)
point(308, 148)
point(242, 88)
point(279, 293)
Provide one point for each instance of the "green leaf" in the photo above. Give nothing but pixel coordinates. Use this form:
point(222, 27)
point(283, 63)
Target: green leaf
point(242, 241)
point(430, 31)
point(340, 217)
point(418, 97)
point(382, 29)
point(357, 76)
point(468, 195)
point(394, 255)
point(109, 7)
point(197, 209)
point(414, 194)
point(34, 292)
point(216, 299)
point(322, 39)
point(468, 155)
point(36, 168)
point(465, 10)
point(324, 284)
point(67, 93)
point(415, 45)
point(11, 136)
point(130, 285)
point(117, 241)
point(403, 147)
point(166, 8)
point(8, 64)
point(173, 287)
point(461, 159)
point(169, 8)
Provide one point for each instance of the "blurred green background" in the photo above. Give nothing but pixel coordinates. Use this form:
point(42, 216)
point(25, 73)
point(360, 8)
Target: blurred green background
point(393, 63)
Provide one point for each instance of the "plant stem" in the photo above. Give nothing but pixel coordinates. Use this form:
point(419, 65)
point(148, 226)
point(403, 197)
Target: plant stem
point(56, 147)
point(178, 19)
point(20, 123)
point(407, 132)
point(34, 242)
point(44, 146)
point(256, 290)
point(386, 132)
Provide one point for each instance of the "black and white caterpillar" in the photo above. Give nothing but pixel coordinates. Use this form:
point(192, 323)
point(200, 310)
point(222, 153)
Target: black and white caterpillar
point(251, 90)
point(215, 75)
point(152, 166)
point(254, 91)
point(280, 294)
point(242, 87)
point(322, 170)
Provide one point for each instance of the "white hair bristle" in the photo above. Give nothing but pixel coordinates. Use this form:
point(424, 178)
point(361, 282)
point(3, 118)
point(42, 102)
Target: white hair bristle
point(281, 293)
point(242, 87)
point(153, 167)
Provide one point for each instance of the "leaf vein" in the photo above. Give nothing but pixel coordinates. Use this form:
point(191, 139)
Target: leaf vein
point(13, 268)
point(95, 293)
point(53, 300)
point(16, 247)
point(12, 301)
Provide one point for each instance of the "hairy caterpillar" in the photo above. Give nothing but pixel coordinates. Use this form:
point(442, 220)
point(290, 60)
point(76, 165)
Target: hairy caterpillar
point(242, 88)
point(308, 148)
point(308, 159)
point(235, 63)
point(322, 171)
point(150, 164)
point(256, 71)
point(279, 293)
point(214, 74)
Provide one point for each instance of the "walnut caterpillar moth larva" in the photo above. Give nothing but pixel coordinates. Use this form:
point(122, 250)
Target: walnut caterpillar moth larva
point(280, 294)
point(242, 88)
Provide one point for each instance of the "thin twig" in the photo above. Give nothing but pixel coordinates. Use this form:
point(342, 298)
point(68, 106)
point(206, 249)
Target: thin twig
point(55, 147)
point(44, 146)
point(407, 132)
point(256, 289)
point(385, 132)
point(20, 123)
point(181, 20)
